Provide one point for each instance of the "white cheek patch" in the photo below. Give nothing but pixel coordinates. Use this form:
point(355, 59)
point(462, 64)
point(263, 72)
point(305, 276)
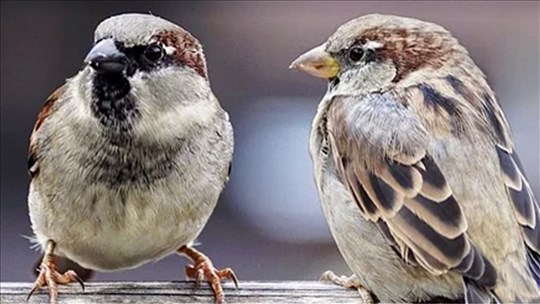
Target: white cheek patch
point(373, 45)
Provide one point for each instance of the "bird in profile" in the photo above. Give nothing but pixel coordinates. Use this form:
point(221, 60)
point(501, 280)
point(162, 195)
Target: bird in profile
point(417, 169)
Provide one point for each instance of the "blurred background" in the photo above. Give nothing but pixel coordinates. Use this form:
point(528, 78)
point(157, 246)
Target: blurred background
point(269, 223)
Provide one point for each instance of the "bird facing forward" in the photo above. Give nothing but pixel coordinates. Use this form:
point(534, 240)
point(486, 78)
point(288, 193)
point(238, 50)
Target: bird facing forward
point(417, 170)
point(128, 157)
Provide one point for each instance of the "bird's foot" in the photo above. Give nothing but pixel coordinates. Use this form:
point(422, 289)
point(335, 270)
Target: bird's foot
point(49, 275)
point(349, 282)
point(204, 269)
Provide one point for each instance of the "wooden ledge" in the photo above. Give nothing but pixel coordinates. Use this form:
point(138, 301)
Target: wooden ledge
point(185, 292)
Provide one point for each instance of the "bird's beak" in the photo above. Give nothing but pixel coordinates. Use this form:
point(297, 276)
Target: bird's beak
point(317, 62)
point(105, 57)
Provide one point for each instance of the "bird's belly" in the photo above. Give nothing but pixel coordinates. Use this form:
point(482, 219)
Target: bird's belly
point(369, 255)
point(109, 229)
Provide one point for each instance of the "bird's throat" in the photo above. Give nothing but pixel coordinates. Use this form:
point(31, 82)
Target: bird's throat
point(112, 103)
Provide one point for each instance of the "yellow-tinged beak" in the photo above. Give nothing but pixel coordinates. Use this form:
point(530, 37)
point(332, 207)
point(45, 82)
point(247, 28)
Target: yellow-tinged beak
point(317, 62)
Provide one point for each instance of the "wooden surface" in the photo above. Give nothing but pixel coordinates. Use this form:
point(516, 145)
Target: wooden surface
point(185, 292)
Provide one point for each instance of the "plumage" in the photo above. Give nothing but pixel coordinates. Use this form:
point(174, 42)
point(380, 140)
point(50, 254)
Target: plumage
point(426, 140)
point(129, 156)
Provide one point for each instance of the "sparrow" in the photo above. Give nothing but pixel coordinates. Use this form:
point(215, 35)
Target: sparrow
point(417, 170)
point(128, 158)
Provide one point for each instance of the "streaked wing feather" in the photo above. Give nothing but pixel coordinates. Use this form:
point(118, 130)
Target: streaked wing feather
point(526, 207)
point(478, 294)
point(408, 196)
point(430, 224)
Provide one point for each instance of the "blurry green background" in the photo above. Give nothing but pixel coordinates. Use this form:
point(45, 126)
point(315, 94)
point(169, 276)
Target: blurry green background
point(268, 224)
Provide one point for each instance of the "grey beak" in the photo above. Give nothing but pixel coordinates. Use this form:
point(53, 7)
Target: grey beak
point(105, 58)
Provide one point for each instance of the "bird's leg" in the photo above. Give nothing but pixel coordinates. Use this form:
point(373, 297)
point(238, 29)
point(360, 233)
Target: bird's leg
point(49, 275)
point(349, 282)
point(202, 268)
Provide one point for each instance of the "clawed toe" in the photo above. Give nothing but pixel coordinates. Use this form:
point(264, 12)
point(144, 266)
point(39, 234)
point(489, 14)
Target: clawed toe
point(348, 282)
point(203, 269)
point(228, 274)
point(214, 276)
point(49, 276)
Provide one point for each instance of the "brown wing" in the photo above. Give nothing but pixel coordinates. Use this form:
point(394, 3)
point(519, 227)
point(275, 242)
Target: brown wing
point(404, 192)
point(46, 110)
point(526, 207)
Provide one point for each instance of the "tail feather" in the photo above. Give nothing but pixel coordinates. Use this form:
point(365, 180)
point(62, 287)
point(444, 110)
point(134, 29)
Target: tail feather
point(533, 259)
point(474, 293)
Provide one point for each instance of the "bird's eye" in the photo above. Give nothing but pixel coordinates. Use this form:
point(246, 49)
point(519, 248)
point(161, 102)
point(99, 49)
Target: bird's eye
point(154, 52)
point(356, 53)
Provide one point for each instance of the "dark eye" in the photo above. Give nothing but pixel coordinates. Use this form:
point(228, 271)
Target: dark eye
point(356, 53)
point(153, 52)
